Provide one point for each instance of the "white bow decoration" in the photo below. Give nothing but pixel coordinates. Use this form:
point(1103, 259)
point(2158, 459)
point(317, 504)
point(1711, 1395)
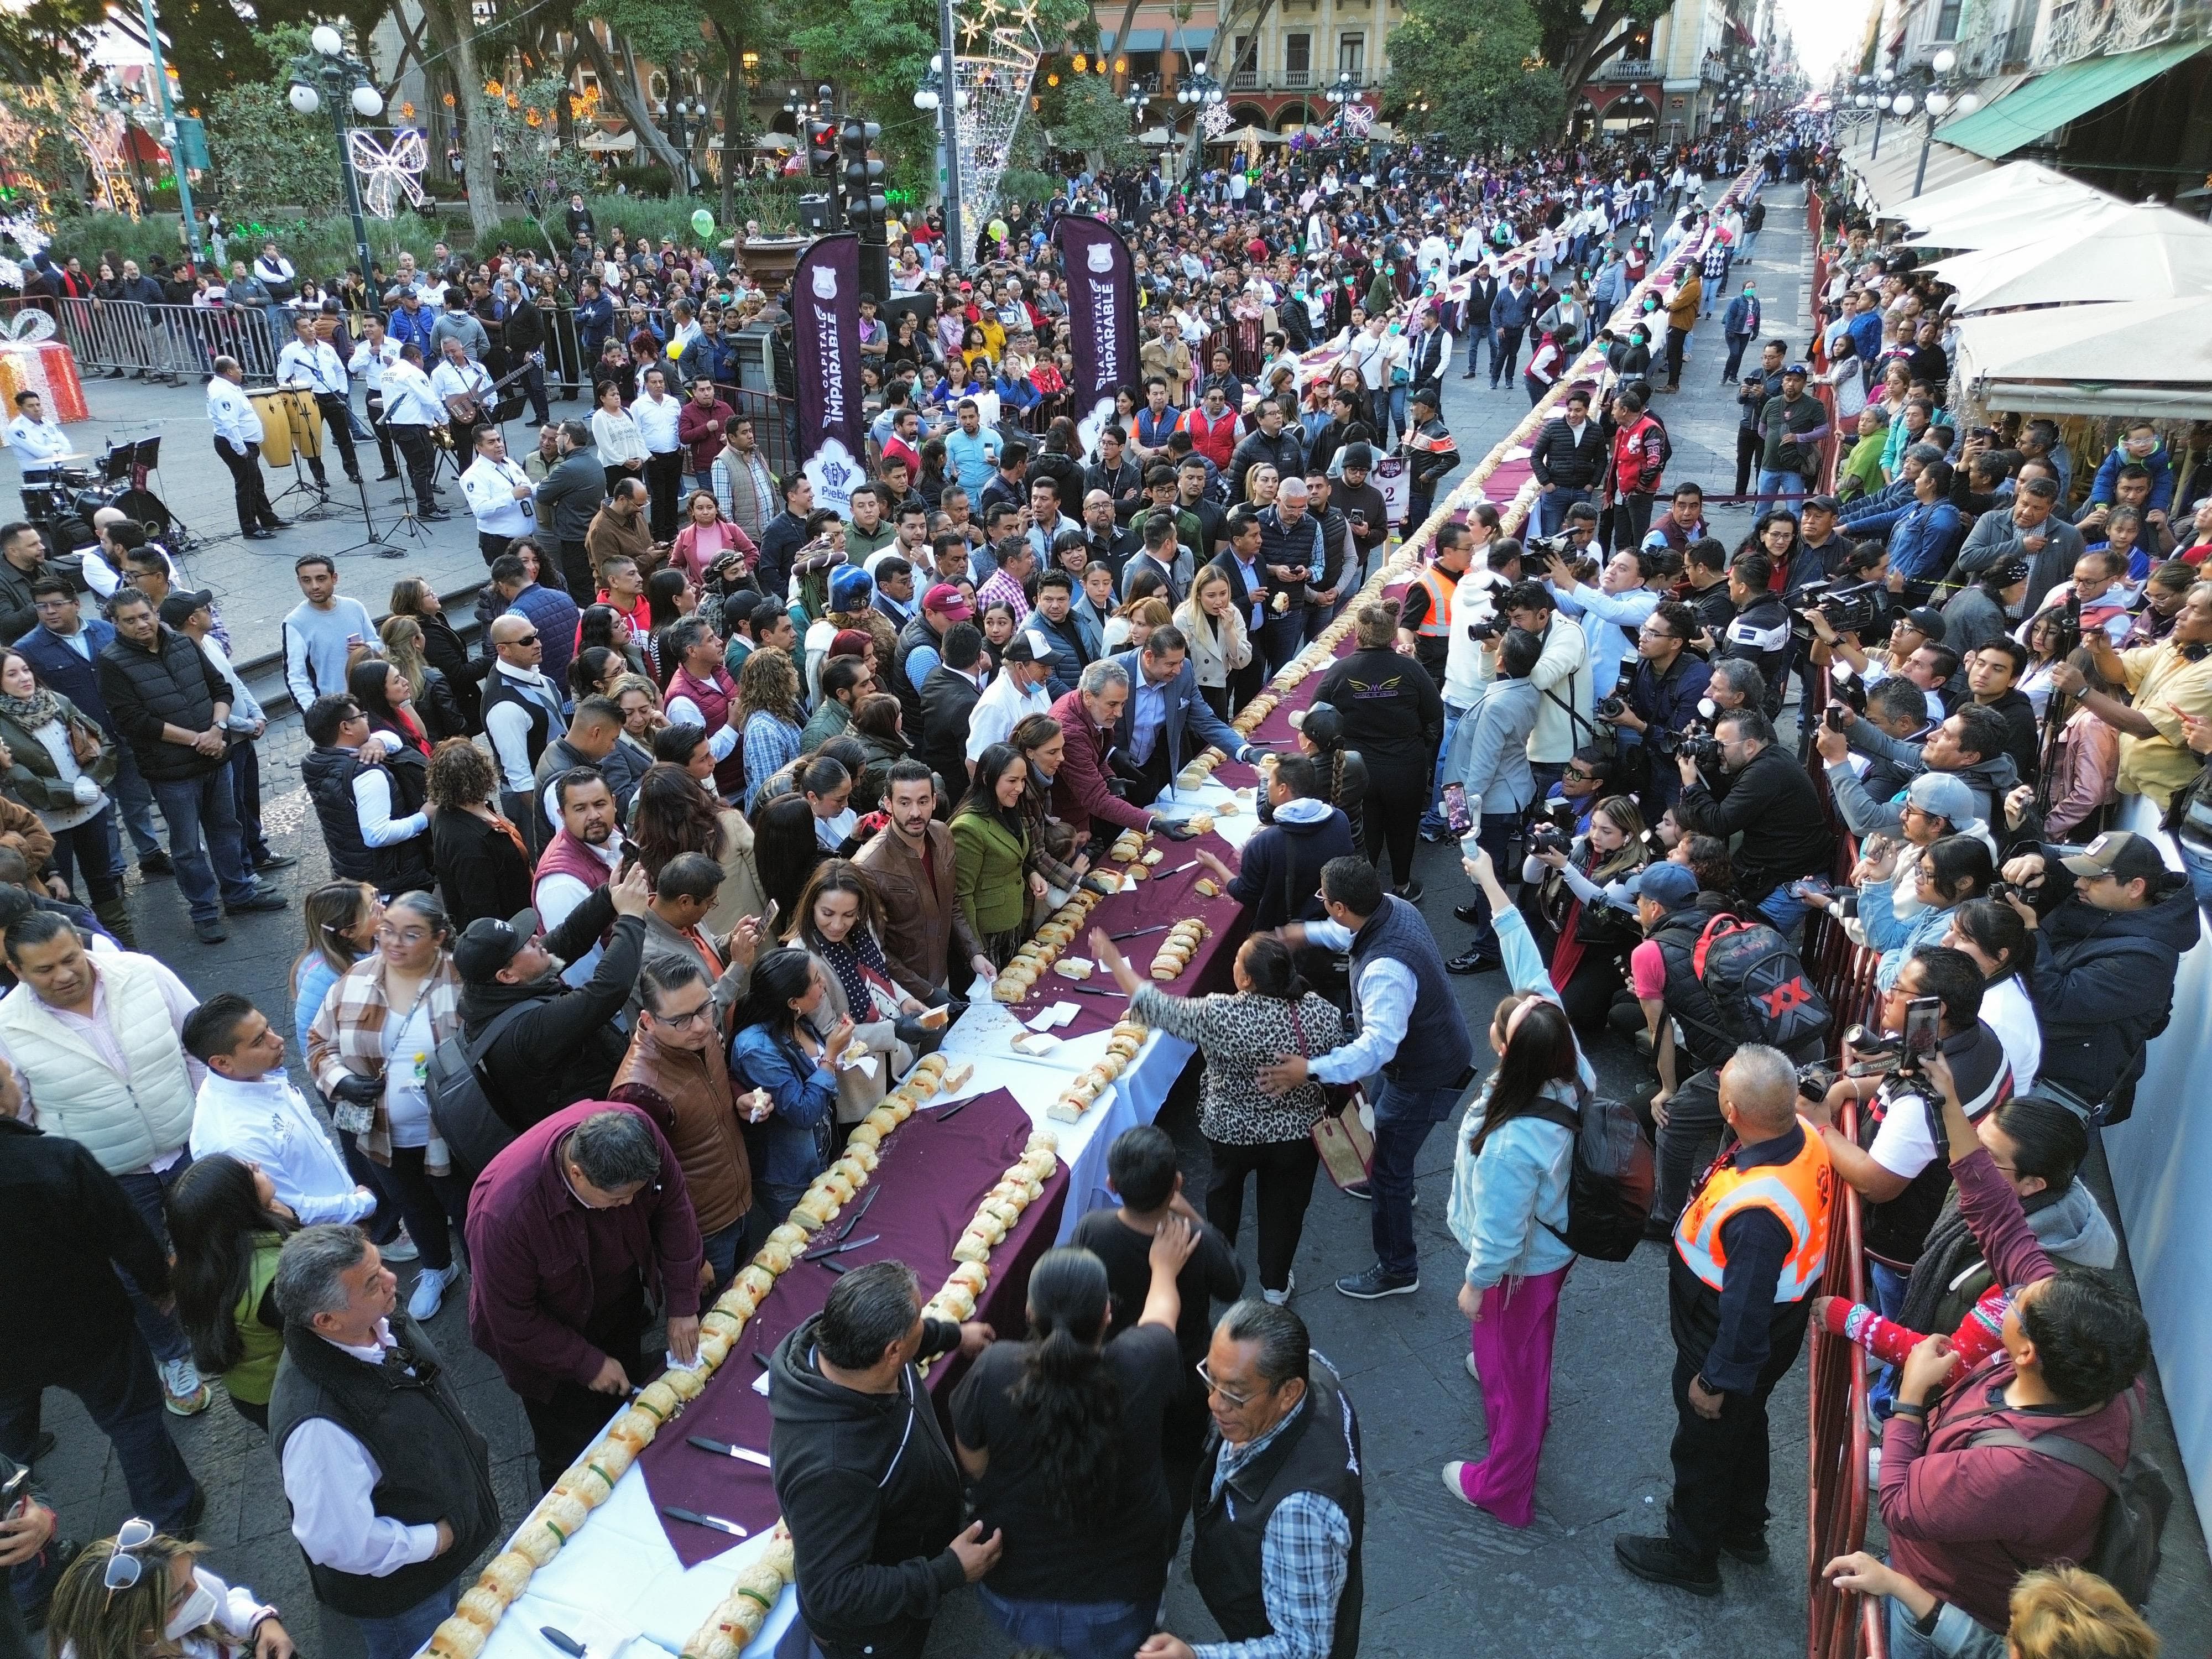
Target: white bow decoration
point(385, 175)
point(27, 327)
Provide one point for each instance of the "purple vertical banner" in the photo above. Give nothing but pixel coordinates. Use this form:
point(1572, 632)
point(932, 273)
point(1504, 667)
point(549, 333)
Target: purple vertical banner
point(1102, 318)
point(825, 326)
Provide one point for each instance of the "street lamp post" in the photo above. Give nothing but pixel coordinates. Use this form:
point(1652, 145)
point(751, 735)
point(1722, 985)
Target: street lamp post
point(1940, 100)
point(942, 96)
point(689, 118)
point(169, 129)
point(1199, 89)
point(329, 74)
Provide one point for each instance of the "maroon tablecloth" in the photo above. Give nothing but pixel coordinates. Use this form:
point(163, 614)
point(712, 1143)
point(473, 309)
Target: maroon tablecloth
point(933, 1175)
point(1160, 898)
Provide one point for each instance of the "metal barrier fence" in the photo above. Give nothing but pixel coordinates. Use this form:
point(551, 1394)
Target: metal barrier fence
point(1839, 1623)
point(114, 335)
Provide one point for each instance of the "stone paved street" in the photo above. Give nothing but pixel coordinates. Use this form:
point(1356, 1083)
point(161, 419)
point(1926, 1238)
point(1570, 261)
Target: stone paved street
point(1442, 1580)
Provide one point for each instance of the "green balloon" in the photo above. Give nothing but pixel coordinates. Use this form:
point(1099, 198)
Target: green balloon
point(703, 221)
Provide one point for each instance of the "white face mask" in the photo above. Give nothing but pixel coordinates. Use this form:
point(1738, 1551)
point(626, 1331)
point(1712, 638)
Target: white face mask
point(197, 1611)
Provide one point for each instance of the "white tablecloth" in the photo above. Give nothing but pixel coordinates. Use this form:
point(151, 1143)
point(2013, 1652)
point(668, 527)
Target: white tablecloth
point(619, 1585)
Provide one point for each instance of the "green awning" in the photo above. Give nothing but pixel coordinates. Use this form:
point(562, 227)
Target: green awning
point(2049, 101)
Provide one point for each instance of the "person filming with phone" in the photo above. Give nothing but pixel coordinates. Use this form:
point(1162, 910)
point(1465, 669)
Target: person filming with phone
point(1935, 1005)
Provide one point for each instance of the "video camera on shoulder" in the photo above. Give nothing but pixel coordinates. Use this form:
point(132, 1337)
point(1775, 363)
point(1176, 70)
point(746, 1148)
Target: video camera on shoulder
point(1855, 609)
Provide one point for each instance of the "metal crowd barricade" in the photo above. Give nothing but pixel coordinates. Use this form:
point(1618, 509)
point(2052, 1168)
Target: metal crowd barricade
point(107, 335)
point(1839, 1623)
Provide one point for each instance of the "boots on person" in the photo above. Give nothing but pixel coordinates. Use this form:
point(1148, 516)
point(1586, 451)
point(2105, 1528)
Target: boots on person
point(114, 915)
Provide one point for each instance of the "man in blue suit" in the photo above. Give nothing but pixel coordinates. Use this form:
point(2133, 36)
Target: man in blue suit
point(1167, 720)
point(61, 651)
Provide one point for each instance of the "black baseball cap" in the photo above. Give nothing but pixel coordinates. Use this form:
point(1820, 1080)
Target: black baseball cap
point(177, 610)
point(487, 944)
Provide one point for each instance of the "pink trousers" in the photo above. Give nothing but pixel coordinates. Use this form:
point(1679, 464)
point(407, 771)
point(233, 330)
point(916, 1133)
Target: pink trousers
point(1513, 1344)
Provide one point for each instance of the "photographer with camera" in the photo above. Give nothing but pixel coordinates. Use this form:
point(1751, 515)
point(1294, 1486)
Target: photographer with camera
point(1759, 792)
point(1969, 744)
point(1705, 571)
point(2166, 685)
point(1659, 706)
point(1492, 768)
point(1610, 612)
point(2109, 924)
point(1934, 1006)
point(1585, 931)
point(1562, 678)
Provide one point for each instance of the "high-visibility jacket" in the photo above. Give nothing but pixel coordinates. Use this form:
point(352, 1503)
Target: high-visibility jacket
point(1437, 625)
point(1797, 1192)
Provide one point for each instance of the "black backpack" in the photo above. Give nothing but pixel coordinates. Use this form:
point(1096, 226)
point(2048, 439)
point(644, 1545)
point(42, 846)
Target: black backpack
point(1758, 984)
point(459, 1083)
point(1609, 1188)
point(2126, 1554)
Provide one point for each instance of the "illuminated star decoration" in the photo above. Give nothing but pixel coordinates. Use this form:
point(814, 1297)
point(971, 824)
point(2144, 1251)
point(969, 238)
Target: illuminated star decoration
point(386, 174)
point(995, 67)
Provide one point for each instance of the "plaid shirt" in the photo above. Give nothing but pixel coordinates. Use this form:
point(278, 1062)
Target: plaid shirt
point(347, 1039)
point(1305, 1556)
point(1001, 586)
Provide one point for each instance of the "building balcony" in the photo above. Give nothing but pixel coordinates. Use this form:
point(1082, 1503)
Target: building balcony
point(1627, 68)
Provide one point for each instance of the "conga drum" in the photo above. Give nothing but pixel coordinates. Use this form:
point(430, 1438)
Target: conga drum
point(274, 406)
point(307, 423)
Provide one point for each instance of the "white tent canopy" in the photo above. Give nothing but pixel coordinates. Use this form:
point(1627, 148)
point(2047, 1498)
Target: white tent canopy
point(2148, 357)
point(2116, 254)
point(1967, 215)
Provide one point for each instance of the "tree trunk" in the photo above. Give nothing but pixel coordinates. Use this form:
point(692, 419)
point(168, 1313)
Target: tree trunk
point(1584, 54)
point(733, 128)
point(633, 106)
point(458, 42)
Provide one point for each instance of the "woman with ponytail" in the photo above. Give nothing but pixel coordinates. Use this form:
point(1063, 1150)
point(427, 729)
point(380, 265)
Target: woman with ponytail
point(1061, 1436)
point(1508, 1209)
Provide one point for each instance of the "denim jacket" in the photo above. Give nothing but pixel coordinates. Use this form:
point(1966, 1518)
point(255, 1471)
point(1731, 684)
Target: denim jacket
point(805, 1099)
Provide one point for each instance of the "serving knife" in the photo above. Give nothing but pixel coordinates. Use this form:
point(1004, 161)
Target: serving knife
point(723, 1448)
point(713, 1523)
point(840, 1250)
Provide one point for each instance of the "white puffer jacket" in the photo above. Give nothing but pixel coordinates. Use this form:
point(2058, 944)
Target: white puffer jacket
point(124, 1125)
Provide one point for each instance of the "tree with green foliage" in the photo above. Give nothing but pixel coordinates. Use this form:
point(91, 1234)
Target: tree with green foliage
point(1577, 44)
point(1479, 65)
point(265, 156)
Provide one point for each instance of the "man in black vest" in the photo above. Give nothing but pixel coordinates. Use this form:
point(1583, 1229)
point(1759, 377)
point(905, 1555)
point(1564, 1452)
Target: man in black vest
point(1398, 987)
point(389, 1484)
point(522, 708)
point(1278, 1505)
point(170, 703)
point(340, 732)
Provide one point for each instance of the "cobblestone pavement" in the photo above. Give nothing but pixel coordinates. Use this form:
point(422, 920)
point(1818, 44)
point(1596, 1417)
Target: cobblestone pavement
point(1442, 1580)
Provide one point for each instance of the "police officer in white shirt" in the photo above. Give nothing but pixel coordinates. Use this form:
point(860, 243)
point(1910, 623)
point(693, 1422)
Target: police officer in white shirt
point(35, 437)
point(412, 414)
point(237, 443)
point(308, 360)
point(500, 495)
point(459, 376)
point(372, 353)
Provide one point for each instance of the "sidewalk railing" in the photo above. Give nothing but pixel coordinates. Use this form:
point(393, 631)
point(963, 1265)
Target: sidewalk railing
point(1839, 1623)
point(135, 338)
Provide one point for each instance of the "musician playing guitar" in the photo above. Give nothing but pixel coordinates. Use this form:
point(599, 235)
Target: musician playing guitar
point(412, 415)
point(466, 389)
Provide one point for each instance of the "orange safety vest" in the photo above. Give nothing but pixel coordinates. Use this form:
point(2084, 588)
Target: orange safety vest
point(1441, 584)
point(1797, 1192)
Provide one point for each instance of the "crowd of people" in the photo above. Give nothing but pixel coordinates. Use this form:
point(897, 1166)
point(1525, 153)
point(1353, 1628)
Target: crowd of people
point(733, 790)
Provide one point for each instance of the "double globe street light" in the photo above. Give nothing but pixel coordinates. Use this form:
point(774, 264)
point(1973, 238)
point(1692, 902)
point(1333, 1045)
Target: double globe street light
point(329, 74)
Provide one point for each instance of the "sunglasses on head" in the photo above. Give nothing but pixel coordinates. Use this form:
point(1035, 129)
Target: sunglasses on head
point(124, 1567)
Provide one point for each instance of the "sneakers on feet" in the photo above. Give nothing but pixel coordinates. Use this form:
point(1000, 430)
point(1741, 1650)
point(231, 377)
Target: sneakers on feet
point(1279, 1297)
point(259, 902)
point(1375, 1284)
point(182, 1391)
point(401, 1249)
point(1365, 1190)
point(429, 1292)
point(1452, 1482)
point(210, 931)
point(1471, 1370)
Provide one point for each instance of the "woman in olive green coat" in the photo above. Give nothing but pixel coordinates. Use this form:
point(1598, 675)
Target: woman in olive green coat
point(991, 846)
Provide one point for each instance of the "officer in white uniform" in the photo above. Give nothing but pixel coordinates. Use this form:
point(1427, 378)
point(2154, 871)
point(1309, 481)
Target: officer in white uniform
point(308, 360)
point(500, 495)
point(237, 425)
point(373, 353)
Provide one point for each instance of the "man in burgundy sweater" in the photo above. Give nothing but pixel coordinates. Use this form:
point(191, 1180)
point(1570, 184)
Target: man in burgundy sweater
point(1088, 715)
point(1967, 1516)
point(571, 1230)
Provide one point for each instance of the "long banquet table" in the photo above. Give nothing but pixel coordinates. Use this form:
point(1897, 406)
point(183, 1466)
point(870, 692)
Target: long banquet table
point(628, 1580)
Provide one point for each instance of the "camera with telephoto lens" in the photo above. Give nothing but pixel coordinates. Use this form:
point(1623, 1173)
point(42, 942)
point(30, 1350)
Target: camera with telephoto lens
point(1548, 838)
point(1853, 610)
point(1484, 631)
point(1815, 1079)
point(1560, 546)
point(1702, 748)
point(1612, 707)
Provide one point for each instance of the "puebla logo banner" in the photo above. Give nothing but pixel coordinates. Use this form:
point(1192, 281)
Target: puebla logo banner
point(825, 326)
point(1102, 318)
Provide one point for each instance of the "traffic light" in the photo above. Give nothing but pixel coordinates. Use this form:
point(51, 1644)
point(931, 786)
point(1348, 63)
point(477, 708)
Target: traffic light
point(865, 208)
point(821, 150)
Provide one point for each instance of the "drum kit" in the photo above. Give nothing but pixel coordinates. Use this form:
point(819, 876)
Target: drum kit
point(61, 497)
